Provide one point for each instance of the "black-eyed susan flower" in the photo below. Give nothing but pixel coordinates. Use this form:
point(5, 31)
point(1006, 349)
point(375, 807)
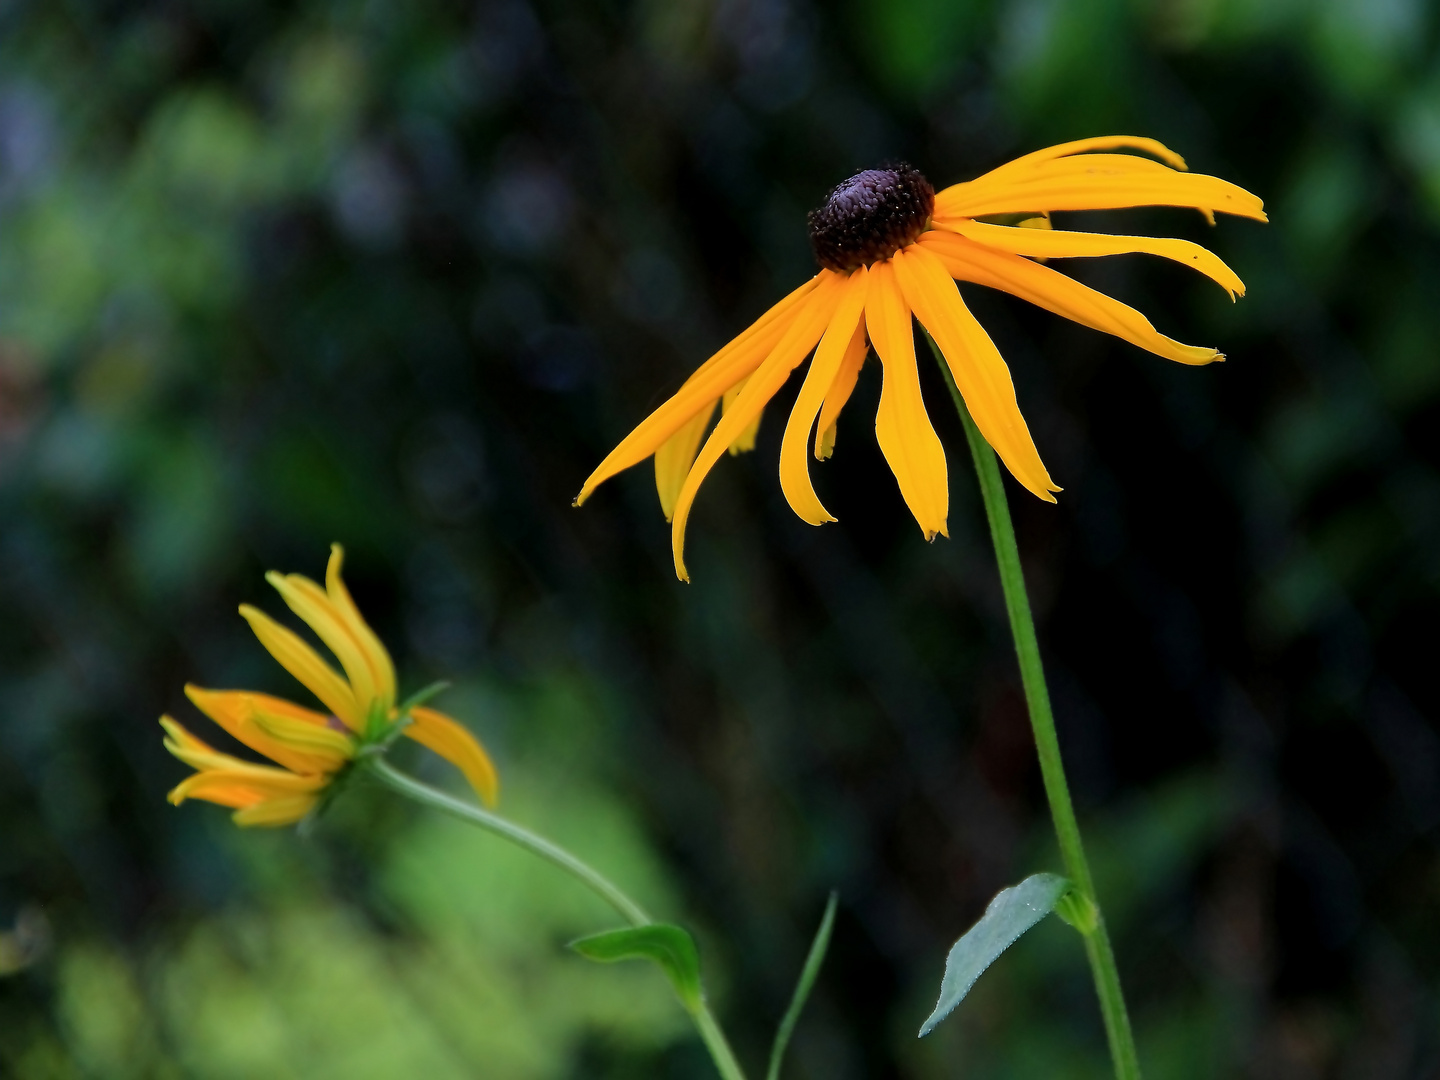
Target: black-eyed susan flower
point(311, 748)
point(890, 248)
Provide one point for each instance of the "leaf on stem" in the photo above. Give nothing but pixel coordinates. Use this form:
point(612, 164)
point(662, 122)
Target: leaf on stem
point(1010, 914)
point(671, 947)
point(808, 974)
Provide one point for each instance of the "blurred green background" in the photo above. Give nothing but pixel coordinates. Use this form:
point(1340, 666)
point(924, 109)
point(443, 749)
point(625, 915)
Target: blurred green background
point(399, 275)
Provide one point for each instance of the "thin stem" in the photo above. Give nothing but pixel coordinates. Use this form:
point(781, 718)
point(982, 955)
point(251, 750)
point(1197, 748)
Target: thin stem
point(592, 879)
point(1047, 745)
point(717, 1044)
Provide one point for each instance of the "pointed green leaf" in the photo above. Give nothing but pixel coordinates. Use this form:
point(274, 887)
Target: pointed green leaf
point(808, 975)
point(668, 946)
point(1010, 914)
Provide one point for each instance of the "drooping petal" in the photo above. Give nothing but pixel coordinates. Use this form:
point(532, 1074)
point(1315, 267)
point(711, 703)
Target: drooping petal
point(902, 427)
point(453, 741)
point(318, 747)
point(840, 391)
point(1082, 146)
point(804, 331)
point(1095, 182)
point(824, 368)
point(309, 601)
point(377, 657)
point(276, 812)
point(745, 441)
point(722, 371)
point(675, 456)
point(1046, 243)
point(968, 261)
point(303, 662)
point(979, 371)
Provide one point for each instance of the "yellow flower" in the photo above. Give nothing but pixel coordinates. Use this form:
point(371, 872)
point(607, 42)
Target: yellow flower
point(890, 248)
point(311, 748)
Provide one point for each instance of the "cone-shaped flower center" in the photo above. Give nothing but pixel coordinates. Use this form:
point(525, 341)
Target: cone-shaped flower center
point(870, 217)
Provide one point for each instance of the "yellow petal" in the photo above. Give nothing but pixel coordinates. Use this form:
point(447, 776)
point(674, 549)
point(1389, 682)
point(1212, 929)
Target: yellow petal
point(722, 371)
point(382, 669)
point(309, 601)
point(197, 754)
point(182, 740)
point(745, 441)
point(1081, 146)
point(824, 368)
point(840, 391)
point(453, 741)
point(1046, 243)
point(902, 426)
point(273, 813)
point(675, 456)
point(979, 371)
point(323, 749)
point(969, 261)
point(303, 662)
point(1095, 182)
point(804, 330)
point(237, 711)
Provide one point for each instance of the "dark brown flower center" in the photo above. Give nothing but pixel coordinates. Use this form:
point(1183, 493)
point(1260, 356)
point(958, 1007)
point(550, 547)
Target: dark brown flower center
point(870, 217)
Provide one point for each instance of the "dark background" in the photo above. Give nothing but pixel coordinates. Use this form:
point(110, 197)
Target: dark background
point(399, 275)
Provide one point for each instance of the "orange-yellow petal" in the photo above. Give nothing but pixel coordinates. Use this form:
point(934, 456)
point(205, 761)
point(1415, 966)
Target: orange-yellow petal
point(840, 391)
point(1046, 243)
point(675, 456)
point(276, 812)
point(453, 741)
point(1094, 182)
point(902, 427)
point(723, 370)
point(246, 716)
point(261, 781)
point(377, 657)
point(803, 332)
point(969, 261)
point(979, 371)
point(303, 662)
point(824, 368)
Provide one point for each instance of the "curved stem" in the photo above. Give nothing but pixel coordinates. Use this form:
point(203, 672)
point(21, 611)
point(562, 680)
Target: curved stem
point(591, 878)
point(1047, 745)
point(587, 875)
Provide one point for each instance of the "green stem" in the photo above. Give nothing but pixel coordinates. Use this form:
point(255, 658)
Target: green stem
point(1042, 721)
point(592, 879)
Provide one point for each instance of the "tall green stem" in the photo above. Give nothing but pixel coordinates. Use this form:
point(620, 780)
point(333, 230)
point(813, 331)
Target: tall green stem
point(592, 879)
point(1047, 745)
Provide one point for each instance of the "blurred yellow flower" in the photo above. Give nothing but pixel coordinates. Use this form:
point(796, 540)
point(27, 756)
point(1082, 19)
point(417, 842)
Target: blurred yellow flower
point(891, 248)
point(309, 748)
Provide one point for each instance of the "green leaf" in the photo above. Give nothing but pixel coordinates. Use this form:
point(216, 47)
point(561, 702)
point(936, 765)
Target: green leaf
point(669, 946)
point(1010, 914)
point(808, 975)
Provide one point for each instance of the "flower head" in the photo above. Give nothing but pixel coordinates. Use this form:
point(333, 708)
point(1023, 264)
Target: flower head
point(309, 748)
point(889, 248)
